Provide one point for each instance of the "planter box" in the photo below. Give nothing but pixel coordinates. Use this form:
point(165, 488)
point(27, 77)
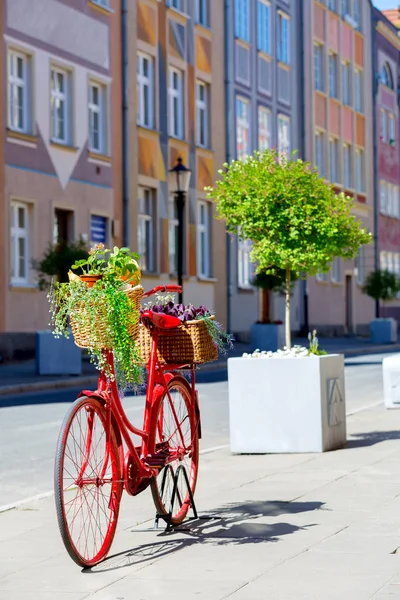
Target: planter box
point(391, 381)
point(282, 405)
point(383, 331)
point(57, 356)
point(265, 336)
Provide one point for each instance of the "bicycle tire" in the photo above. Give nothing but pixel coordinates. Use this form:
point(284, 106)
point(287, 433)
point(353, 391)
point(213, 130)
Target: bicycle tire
point(185, 415)
point(101, 516)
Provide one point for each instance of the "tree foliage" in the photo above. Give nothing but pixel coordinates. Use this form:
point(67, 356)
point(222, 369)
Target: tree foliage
point(382, 285)
point(57, 260)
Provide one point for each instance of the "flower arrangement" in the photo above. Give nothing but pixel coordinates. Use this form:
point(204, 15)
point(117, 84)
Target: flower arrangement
point(165, 304)
point(293, 352)
point(98, 302)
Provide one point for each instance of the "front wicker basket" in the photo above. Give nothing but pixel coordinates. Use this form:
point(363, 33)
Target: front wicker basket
point(191, 343)
point(86, 337)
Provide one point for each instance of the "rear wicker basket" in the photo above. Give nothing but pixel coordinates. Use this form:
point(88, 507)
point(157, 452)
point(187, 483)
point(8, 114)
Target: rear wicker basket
point(86, 337)
point(191, 343)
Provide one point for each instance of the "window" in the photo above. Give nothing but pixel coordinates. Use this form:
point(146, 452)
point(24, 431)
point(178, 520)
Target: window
point(383, 261)
point(202, 114)
point(319, 152)
point(348, 180)
point(332, 5)
point(176, 4)
point(390, 265)
point(389, 199)
point(202, 12)
point(345, 7)
point(383, 125)
point(264, 27)
point(284, 135)
point(145, 90)
point(346, 84)
point(333, 161)
point(322, 276)
point(97, 118)
point(242, 19)
point(396, 201)
point(358, 91)
point(242, 128)
point(203, 239)
point(386, 76)
point(357, 13)
point(63, 225)
point(146, 229)
point(18, 92)
point(392, 129)
point(336, 270)
point(333, 87)
point(360, 171)
point(283, 38)
point(245, 266)
point(360, 266)
point(175, 93)
point(396, 265)
point(98, 229)
point(19, 243)
point(264, 128)
point(103, 3)
point(318, 67)
point(60, 106)
point(383, 196)
point(173, 235)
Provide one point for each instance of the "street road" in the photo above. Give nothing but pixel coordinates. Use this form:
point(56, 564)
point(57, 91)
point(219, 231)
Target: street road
point(29, 424)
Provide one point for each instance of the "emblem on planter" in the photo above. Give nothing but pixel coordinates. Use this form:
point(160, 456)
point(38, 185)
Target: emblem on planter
point(335, 399)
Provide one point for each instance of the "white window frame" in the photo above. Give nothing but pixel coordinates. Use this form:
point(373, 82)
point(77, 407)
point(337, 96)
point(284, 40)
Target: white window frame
point(360, 170)
point(264, 128)
point(383, 125)
point(175, 95)
point(333, 75)
point(319, 152)
point(57, 95)
point(336, 270)
point(333, 164)
point(17, 233)
point(102, 3)
point(202, 12)
point(347, 167)
point(358, 91)
point(242, 127)
point(143, 82)
point(146, 195)
point(101, 110)
point(202, 109)
point(383, 197)
point(242, 28)
point(283, 38)
point(245, 266)
point(16, 83)
point(173, 225)
point(264, 14)
point(319, 66)
point(203, 240)
point(284, 141)
point(392, 129)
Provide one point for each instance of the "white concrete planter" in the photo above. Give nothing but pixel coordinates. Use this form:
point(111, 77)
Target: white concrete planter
point(279, 405)
point(391, 381)
point(57, 356)
point(265, 336)
point(383, 331)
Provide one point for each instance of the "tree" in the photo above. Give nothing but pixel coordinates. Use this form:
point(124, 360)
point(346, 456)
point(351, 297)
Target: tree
point(382, 285)
point(273, 280)
point(57, 260)
point(294, 218)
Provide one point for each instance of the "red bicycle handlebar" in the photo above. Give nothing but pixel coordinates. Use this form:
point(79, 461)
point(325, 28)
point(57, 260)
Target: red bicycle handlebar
point(162, 289)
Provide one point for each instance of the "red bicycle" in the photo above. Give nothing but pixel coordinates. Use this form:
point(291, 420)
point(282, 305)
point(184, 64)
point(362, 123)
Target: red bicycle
point(93, 466)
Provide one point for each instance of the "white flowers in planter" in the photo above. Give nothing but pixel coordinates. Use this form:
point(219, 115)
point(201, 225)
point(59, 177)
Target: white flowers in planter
point(294, 352)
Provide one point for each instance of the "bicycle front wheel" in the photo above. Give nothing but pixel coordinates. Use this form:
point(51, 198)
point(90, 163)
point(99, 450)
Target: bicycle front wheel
point(87, 482)
point(177, 432)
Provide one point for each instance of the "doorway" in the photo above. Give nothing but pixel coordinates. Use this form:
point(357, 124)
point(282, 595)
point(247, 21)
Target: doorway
point(349, 304)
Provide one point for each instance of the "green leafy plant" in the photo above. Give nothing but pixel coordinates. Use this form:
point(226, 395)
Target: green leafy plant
point(382, 285)
point(104, 310)
point(101, 261)
point(314, 345)
point(57, 260)
point(295, 219)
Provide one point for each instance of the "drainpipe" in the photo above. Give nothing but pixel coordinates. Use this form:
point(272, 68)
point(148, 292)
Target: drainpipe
point(125, 123)
point(228, 138)
point(375, 85)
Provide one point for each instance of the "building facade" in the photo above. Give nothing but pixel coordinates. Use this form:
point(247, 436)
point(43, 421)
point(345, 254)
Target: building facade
point(387, 98)
point(59, 131)
point(177, 110)
point(262, 99)
point(338, 139)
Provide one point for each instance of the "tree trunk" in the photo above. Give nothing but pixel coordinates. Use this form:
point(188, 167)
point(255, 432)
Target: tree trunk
point(287, 311)
point(264, 306)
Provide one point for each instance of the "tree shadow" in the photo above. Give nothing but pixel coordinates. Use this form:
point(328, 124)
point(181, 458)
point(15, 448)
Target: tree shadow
point(371, 438)
point(232, 524)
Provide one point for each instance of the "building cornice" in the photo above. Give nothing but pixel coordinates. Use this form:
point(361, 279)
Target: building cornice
point(388, 34)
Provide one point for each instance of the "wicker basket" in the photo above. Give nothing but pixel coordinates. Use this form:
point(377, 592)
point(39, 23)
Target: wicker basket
point(86, 337)
point(190, 343)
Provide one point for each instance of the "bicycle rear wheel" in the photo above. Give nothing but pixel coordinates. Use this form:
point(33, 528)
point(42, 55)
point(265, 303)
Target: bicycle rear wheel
point(87, 482)
point(177, 430)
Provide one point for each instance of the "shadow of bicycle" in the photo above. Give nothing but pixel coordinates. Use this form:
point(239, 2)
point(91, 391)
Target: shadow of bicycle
point(232, 524)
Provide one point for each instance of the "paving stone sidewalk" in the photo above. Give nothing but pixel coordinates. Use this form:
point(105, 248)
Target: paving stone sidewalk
point(288, 527)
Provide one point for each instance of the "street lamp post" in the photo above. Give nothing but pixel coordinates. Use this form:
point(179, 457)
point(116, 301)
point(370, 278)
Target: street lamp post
point(179, 182)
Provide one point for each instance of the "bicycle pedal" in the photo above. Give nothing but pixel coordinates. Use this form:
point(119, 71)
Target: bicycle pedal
point(157, 460)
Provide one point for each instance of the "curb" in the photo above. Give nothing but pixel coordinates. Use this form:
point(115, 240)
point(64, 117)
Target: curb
point(90, 380)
